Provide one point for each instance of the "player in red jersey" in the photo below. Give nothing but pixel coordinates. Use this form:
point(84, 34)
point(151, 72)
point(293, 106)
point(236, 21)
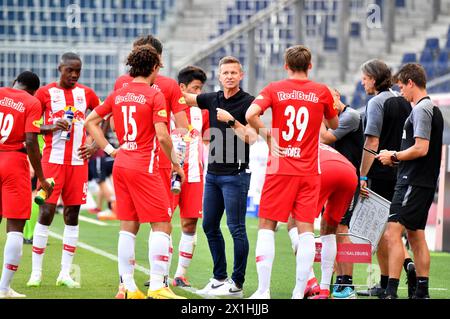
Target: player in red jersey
point(65, 160)
point(175, 104)
point(140, 120)
point(298, 107)
point(191, 80)
point(338, 186)
point(19, 126)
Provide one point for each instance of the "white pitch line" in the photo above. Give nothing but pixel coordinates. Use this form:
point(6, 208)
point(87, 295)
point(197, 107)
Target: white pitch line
point(99, 252)
point(112, 257)
point(92, 221)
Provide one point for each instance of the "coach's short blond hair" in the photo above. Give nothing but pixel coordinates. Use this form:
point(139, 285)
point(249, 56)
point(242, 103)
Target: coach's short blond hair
point(229, 60)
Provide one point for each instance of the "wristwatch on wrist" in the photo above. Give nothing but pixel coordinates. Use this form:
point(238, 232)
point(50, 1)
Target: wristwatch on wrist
point(394, 158)
point(231, 123)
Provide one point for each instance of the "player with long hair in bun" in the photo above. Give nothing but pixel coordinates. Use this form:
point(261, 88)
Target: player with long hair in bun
point(140, 119)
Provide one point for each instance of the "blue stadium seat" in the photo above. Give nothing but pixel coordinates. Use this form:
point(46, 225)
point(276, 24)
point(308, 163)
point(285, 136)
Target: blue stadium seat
point(409, 58)
point(357, 101)
point(330, 44)
point(430, 70)
point(442, 64)
point(400, 3)
point(355, 29)
point(426, 56)
point(432, 44)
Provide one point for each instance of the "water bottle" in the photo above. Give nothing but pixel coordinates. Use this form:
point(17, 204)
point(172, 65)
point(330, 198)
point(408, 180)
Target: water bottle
point(42, 194)
point(175, 183)
point(68, 116)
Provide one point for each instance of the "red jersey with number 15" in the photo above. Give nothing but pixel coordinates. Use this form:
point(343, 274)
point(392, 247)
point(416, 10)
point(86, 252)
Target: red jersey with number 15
point(298, 107)
point(174, 101)
point(136, 108)
point(19, 114)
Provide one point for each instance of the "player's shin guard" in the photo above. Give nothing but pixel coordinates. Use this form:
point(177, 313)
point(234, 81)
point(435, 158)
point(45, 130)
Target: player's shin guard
point(11, 258)
point(159, 244)
point(265, 254)
point(328, 256)
point(40, 238)
point(305, 260)
point(126, 256)
point(70, 240)
point(186, 251)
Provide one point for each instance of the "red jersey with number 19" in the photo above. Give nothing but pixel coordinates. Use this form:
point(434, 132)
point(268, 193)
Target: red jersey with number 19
point(19, 113)
point(136, 108)
point(298, 107)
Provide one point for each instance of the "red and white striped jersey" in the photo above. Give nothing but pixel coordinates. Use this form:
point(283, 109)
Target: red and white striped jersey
point(54, 102)
point(193, 163)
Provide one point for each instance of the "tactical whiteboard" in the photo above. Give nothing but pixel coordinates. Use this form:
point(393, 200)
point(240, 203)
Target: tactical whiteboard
point(369, 219)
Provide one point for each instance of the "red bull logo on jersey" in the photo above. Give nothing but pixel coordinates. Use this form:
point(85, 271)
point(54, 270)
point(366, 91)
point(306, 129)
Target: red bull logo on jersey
point(78, 116)
point(298, 95)
point(130, 97)
point(11, 104)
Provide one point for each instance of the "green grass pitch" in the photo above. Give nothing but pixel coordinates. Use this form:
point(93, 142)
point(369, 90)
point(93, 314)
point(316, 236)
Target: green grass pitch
point(99, 279)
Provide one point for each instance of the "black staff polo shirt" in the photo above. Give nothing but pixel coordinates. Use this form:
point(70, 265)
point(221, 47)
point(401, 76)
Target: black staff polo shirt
point(228, 154)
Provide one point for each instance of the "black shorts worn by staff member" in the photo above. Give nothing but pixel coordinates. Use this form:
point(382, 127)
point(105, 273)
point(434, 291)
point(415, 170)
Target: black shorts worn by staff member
point(417, 179)
point(410, 206)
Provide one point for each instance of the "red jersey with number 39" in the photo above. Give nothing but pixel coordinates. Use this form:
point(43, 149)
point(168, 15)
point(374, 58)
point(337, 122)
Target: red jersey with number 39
point(19, 114)
point(298, 108)
point(136, 108)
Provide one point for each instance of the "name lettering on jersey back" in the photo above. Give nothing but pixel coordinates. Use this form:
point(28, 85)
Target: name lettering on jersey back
point(298, 95)
point(11, 104)
point(130, 146)
point(294, 152)
point(130, 97)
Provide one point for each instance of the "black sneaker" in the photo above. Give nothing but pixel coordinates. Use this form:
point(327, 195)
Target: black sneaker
point(411, 280)
point(147, 284)
point(376, 291)
point(388, 296)
point(420, 297)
